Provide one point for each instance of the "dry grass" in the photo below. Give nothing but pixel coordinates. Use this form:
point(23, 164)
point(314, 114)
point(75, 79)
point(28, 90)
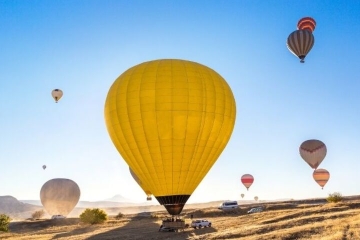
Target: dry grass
point(279, 221)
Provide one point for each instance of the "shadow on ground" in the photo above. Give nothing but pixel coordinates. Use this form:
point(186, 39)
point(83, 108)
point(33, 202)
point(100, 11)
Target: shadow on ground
point(139, 227)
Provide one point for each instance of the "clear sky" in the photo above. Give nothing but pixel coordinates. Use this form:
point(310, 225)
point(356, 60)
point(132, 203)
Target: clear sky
point(81, 47)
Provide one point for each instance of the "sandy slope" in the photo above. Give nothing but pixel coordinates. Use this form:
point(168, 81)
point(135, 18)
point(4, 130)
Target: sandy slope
point(278, 221)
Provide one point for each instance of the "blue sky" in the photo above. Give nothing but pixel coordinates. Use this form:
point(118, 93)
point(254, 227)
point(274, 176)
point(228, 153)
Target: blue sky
point(81, 47)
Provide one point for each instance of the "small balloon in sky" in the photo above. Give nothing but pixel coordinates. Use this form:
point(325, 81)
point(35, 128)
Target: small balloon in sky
point(57, 94)
point(247, 180)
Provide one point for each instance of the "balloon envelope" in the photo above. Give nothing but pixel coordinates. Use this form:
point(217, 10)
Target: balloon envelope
point(306, 23)
point(247, 180)
point(59, 196)
point(300, 43)
point(170, 120)
point(256, 198)
point(141, 184)
point(313, 152)
point(321, 176)
point(242, 195)
point(44, 166)
point(57, 94)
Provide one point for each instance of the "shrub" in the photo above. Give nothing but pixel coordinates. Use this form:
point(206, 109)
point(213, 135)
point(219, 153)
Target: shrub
point(4, 222)
point(119, 215)
point(93, 216)
point(38, 214)
point(334, 197)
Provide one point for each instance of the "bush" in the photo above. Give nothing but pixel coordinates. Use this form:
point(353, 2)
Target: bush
point(93, 216)
point(119, 215)
point(38, 214)
point(4, 222)
point(334, 197)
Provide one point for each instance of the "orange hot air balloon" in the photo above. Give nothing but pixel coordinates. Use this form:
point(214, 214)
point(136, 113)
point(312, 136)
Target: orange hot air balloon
point(313, 152)
point(247, 180)
point(306, 23)
point(321, 176)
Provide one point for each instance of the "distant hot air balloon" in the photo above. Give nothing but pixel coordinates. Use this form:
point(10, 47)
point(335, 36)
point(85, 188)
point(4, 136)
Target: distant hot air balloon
point(170, 120)
point(242, 195)
point(321, 176)
point(56, 94)
point(256, 198)
point(301, 41)
point(142, 185)
point(247, 180)
point(44, 166)
point(306, 23)
point(59, 196)
point(313, 152)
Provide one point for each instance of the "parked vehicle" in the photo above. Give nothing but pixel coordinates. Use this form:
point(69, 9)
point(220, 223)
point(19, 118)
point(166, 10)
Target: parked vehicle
point(228, 205)
point(57, 216)
point(200, 223)
point(255, 210)
point(173, 225)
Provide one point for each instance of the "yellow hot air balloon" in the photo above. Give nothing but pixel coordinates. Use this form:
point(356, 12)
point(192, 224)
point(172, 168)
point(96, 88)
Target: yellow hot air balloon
point(313, 152)
point(142, 185)
point(59, 196)
point(57, 94)
point(170, 120)
point(321, 176)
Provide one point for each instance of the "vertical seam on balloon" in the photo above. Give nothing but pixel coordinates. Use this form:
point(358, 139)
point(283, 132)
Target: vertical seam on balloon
point(172, 126)
point(210, 134)
point(196, 148)
point(148, 178)
point(181, 189)
point(157, 127)
point(130, 123)
point(196, 151)
point(214, 152)
point(123, 152)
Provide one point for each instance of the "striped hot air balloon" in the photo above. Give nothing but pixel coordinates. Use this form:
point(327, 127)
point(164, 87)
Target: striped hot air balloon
point(300, 43)
point(247, 180)
point(321, 176)
point(313, 152)
point(306, 23)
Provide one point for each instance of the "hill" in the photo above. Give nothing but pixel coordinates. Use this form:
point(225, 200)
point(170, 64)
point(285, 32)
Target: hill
point(16, 209)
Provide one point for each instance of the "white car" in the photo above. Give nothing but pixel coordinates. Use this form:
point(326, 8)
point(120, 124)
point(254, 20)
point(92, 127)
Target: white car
point(200, 223)
point(228, 205)
point(255, 210)
point(57, 216)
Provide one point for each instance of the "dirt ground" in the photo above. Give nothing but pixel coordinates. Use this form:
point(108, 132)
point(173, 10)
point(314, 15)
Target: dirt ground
point(285, 221)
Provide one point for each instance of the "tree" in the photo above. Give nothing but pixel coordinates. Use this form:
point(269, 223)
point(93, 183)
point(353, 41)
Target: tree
point(38, 214)
point(334, 197)
point(4, 222)
point(93, 216)
point(119, 216)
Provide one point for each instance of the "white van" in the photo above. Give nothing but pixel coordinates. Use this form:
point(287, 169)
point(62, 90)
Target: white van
point(228, 205)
